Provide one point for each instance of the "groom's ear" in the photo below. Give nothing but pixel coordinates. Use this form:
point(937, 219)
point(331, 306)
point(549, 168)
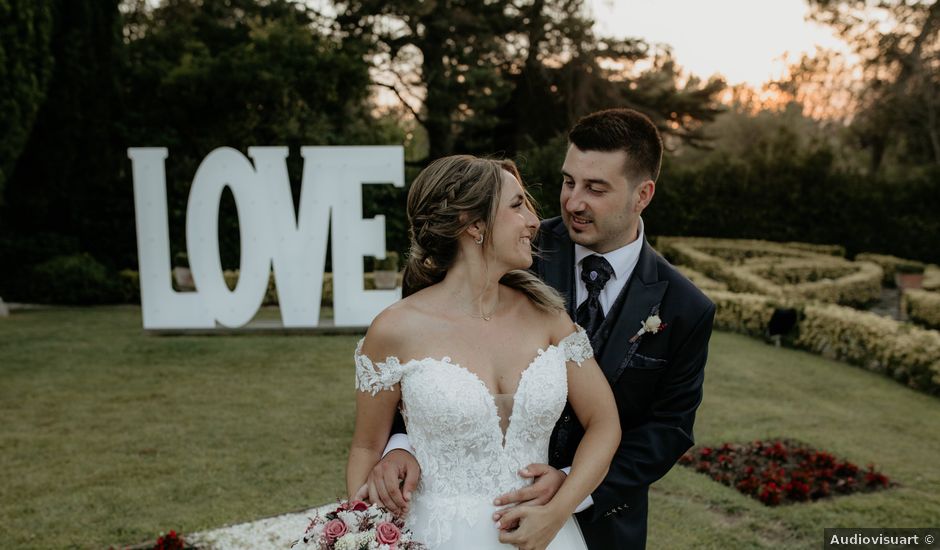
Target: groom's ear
point(645, 192)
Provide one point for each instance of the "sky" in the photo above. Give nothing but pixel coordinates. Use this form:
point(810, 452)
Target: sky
point(743, 40)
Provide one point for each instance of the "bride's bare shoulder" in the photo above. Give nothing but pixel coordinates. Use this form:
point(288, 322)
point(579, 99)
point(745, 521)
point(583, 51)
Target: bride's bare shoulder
point(560, 324)
point(393, 330)
point(555, 322)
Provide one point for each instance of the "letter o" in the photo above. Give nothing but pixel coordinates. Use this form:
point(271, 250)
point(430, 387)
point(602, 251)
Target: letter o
point(228, 167)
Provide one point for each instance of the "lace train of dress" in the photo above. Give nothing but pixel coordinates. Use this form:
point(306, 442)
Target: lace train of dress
point(466, 460)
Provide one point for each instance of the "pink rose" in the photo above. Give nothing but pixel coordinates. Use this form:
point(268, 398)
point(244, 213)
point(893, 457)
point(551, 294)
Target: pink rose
point(387, 533)
point(357, 506)
point(334, 529)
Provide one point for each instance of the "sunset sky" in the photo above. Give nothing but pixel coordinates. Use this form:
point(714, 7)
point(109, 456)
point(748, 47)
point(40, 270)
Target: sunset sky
point(744, 40)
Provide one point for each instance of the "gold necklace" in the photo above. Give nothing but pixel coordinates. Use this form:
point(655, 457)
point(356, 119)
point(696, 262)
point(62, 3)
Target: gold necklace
point(484, 316)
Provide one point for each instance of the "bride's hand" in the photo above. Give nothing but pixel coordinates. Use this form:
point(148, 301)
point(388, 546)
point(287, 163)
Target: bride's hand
point(546, 482)
point(538, 525)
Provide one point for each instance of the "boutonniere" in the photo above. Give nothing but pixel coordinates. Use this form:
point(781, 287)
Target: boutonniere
point(652, 325)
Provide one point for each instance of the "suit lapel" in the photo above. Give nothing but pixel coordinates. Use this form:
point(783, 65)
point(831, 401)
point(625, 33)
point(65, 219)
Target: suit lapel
point(559, 271)
point(644, 293)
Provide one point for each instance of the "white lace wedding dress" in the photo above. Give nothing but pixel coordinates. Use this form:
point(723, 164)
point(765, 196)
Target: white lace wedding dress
point(454, 426)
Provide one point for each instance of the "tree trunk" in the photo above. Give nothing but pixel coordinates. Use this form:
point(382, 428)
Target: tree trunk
point(439, 103)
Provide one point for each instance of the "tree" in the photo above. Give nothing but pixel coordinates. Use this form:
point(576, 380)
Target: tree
point(447, 54)
point(898, 43)
point(63, 180)
point(203, 74)
point(25, 36)
point(190, 75)
point(481, 76)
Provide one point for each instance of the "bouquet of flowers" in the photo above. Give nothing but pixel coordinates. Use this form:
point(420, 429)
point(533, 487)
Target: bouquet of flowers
point(355, 525)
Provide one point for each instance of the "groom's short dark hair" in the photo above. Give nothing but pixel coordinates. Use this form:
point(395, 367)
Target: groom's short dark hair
point(622, 130)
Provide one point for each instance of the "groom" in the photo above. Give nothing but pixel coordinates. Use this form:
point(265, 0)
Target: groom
point(597, 257)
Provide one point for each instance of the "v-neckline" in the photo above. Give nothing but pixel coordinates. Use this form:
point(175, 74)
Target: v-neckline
point(446, 360)
point(494, 409)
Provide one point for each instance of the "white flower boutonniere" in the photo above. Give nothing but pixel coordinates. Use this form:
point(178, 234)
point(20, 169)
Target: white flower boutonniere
point(653, 324)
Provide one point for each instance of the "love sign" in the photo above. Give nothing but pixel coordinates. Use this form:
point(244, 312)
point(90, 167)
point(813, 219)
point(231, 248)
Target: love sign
point(272, 237)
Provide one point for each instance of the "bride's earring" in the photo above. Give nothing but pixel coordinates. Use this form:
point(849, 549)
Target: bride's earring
point(479, 240)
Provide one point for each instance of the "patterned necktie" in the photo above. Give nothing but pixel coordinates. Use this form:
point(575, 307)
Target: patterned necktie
point(595, 272)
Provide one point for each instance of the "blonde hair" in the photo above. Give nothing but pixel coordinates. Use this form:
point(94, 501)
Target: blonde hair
point(444, 200)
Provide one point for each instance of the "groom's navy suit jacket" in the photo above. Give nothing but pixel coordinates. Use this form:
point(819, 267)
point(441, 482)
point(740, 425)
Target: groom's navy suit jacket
point(656, 380)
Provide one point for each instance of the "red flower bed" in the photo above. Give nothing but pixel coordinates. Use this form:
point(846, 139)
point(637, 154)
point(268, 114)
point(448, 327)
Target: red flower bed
point(782, 471)
point(172, 541)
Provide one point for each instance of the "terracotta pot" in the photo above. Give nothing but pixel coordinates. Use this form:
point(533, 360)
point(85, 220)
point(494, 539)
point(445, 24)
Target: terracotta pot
point(184, 278)
point(908, 280)
point(386, 280)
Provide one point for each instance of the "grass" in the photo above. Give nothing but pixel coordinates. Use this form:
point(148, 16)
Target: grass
point(110, 436)
point(753, 391)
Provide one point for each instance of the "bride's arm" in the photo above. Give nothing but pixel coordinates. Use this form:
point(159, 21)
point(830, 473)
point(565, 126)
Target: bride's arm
point(374, 415)
point(593, 403)
point(376, 399)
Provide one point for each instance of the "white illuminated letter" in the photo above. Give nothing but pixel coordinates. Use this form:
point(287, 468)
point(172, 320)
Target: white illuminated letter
point(298, 243)
point(226, 167)
point(162, 306)
point(271, 235)
point(343, 170)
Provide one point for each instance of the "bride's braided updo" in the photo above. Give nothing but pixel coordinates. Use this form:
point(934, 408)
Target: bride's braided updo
point(444, 200)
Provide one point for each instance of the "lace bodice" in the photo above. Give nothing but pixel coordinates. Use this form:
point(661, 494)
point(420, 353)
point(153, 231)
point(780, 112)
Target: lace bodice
point(454, 425)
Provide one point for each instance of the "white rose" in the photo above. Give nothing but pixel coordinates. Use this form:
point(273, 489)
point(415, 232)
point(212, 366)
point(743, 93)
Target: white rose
point(652, 323)
point(351, 519)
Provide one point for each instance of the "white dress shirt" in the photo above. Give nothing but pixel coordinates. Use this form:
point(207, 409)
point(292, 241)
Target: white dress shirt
point(623, 260)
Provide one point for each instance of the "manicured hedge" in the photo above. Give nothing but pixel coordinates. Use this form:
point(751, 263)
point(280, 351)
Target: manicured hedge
point(932, 278)
point(905, 352)
point(922, 307)
point(701, 280)
point(889, 264)
point(742, 312)
point(780, 270)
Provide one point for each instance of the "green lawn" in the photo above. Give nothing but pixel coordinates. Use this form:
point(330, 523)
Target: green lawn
point(754, 391)
point(108, 435)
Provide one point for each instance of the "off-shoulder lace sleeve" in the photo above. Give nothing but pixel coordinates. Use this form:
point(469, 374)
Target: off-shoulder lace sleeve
point(375, 377)
point(577, 346)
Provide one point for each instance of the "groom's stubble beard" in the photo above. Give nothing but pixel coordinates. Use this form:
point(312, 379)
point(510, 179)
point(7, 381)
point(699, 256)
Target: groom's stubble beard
point(608, 232)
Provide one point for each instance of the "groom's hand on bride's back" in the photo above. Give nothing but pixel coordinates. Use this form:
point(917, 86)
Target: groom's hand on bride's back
point(391, 482)
point(547, 481)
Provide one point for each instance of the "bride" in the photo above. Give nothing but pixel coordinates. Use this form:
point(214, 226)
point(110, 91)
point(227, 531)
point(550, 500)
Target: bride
point(480, 356)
